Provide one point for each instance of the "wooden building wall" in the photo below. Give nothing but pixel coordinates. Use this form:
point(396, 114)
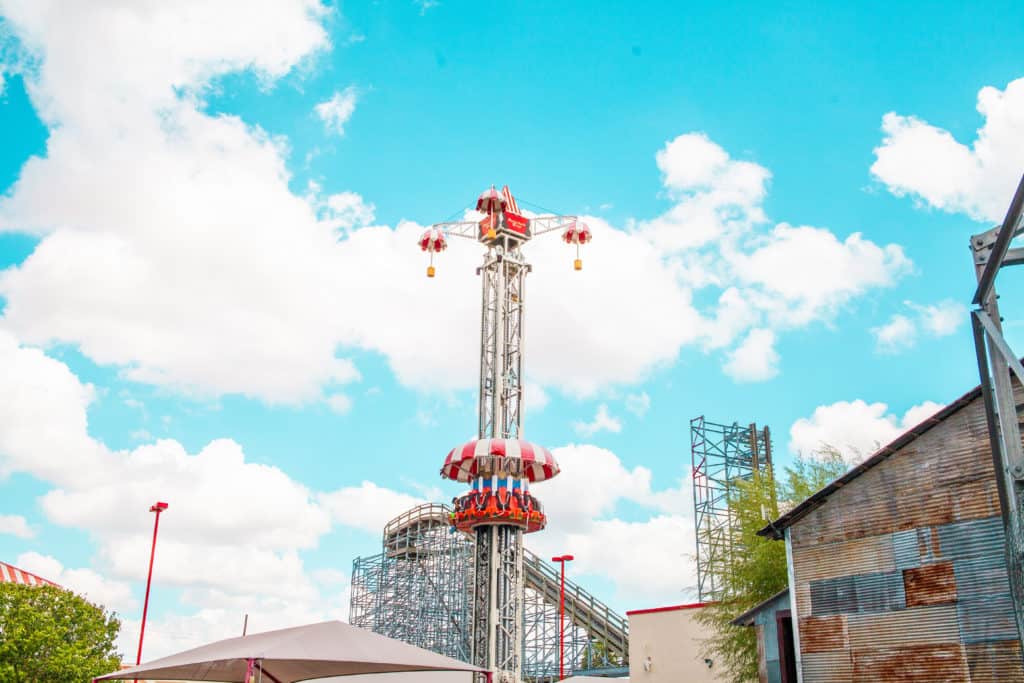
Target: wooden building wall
point(900, 575)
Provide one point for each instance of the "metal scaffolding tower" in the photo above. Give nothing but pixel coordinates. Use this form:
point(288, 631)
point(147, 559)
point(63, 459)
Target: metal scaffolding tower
point(721, 456)
point(417, 589)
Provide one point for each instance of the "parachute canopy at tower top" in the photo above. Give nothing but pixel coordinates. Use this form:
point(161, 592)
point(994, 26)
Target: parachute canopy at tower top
point(515, 457)
point(433, 240)
point(577, 233)
point(490, 201)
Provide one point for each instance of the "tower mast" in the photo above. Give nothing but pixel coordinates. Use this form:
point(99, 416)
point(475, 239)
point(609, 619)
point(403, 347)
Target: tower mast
point(499, 465)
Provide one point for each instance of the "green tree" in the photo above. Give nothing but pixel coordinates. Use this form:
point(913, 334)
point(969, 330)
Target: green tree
point(50, 634)
point(596, 655)
point(757, 570)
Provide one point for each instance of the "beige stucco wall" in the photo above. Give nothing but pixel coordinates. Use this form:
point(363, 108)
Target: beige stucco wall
point(671, 639)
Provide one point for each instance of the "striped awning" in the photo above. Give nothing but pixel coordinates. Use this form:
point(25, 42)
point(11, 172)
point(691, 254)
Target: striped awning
point(482, 457)
point(11, 574)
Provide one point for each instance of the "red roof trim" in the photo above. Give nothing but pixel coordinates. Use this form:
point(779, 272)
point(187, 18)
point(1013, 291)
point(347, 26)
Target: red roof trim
point(670, 608)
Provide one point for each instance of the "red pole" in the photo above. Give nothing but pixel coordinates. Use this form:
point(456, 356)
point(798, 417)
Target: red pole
point(561, 616)
point(561, 626)
point(158, 507)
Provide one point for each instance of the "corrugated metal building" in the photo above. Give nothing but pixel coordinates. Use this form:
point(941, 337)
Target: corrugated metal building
point(773, 623)
point(897, 570)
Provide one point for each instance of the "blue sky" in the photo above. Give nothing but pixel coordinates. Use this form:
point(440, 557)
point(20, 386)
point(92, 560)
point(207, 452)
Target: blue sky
point(211, 291)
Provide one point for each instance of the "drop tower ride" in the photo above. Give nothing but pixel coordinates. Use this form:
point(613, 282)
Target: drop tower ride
point(499, 465)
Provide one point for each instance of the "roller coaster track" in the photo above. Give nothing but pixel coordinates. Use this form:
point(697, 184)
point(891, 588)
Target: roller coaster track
point(601, 623)
point(581, 607)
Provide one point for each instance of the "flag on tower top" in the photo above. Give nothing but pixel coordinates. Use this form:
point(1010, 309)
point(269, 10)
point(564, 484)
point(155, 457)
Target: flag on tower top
point(510, 201)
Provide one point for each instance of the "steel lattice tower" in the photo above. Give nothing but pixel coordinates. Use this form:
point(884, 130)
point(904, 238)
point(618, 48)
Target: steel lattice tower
point(497, 608)
point(721, 456)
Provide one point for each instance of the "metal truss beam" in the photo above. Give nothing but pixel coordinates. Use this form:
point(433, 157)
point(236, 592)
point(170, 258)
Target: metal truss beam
point(997, 366)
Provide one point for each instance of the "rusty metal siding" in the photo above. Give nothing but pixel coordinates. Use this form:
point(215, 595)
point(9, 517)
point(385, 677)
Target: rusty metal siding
point(882, 592)
point(989, 619)
point(937, 624)
point(905, 551)
point(856, 556)
point(911, 663)
point(995, 662)
point(981, 576)
point(932, 584)
point(823, 634)
point(876, 592)
point(900, 574)
point(976, 538)
point(834, 667)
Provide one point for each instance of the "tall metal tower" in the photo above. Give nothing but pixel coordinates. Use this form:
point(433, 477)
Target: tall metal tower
point(499, 464)
point(722, 455)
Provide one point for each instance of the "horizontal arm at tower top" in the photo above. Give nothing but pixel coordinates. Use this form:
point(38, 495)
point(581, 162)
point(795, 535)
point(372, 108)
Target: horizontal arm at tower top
point(503, 231)
point(540, 225)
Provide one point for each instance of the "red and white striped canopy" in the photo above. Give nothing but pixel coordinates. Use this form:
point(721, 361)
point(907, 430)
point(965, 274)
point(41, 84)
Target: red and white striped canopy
point(534, 462)
point(490, 201)
point(11, 574)
point(577, 233)
point(433, 240)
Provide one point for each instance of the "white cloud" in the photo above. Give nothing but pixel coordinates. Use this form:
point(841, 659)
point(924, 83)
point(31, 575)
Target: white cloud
point(348, 210)
point(367, 506)
point(657, 568)
point(535, 399)
point(231, 540)
point(805, 273)
point(788, 277)
point(586, 524)
point(603, 422)
point(202, 273)
point(756, 359)
point(928, 163)
point(329, 576)
point(941, 319)
point(339, 403)
point(16, 525)
point(714, 194)
point(919, 413)
point(638, 404)
point(336, 111)
point(114, 595)
point(856, 428)
point(898, 334)
point(901, 332)
point(233, 537)
point(209, 275)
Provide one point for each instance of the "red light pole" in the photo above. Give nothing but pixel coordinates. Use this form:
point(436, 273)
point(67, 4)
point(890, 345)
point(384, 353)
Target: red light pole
point(561, 559)
point(157, 507)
